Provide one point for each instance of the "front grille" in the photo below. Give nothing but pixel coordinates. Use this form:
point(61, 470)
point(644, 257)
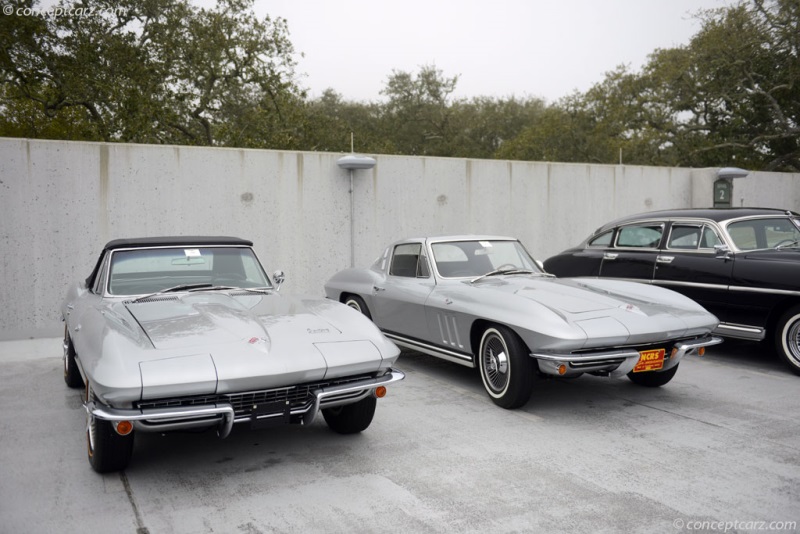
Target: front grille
point(299, 397)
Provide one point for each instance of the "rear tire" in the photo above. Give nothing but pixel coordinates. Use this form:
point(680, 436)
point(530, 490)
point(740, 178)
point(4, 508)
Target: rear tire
point(351, 418)
point(72, 375)
point(358, 304)
point(506, 368)
point(107, 450)
point(787, 339)
point(653, 379)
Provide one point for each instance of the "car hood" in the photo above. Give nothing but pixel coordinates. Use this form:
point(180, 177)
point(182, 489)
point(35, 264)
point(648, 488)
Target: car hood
point(609, 311)
point(204, 320)
point(219, 342)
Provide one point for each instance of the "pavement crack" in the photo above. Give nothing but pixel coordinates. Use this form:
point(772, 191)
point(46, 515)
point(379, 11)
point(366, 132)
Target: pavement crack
point(140, 528)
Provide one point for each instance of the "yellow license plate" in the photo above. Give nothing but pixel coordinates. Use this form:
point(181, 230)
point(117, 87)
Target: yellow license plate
point(650, 360)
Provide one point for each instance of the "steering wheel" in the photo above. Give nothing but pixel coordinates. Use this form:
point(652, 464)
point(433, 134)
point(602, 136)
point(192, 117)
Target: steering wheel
point(501, 268)
point(785, 241)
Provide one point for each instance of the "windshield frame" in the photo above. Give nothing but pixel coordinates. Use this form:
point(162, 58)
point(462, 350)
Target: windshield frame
point(109, 261)
point(520, 249)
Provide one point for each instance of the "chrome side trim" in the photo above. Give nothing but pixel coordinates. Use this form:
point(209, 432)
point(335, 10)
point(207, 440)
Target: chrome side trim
point(753, 333)
point(431, 350)
point(661, 282)
point(765, 290)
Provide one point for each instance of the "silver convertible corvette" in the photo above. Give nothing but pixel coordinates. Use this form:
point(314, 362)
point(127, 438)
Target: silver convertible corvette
point(187, 333)
point(483, 302)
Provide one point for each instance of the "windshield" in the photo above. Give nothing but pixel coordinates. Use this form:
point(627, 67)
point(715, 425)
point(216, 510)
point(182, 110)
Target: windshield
point(150, 270)
point(752, 234)
point(462, 259)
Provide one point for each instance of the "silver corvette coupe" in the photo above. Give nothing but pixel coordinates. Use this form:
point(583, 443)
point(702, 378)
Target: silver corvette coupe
point(187, 333)
point(482, 301)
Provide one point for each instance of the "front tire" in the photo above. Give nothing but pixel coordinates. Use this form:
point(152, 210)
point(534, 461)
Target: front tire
point(351, 418)
point(506, 368)
point(107, 450)
point(358, 304)
point(72, 375)
point(787, 339)
point(653, 379)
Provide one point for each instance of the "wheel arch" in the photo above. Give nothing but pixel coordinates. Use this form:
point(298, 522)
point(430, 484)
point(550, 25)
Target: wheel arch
point(777, 312)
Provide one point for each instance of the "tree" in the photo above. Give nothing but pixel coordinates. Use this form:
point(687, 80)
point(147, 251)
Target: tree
point(419, 110)
point(157, 71)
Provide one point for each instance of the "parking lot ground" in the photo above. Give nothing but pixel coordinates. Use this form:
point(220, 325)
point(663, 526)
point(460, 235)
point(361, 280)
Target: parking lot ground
point(718, 447)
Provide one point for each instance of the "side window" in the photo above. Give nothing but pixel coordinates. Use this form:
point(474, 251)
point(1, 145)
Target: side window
point(408, 261)
point(710, 238)
point(640, 236)
point(684, 236)
point(603, 240)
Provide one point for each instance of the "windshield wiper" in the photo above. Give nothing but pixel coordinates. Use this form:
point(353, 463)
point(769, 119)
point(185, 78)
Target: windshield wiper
point(502, 271)
point(793, 244)
point(180, 287)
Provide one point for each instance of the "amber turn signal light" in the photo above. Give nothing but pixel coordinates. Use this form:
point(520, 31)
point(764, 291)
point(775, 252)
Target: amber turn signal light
point(701, 351)
point(124, 428)
point(562, 369)
point(380, 391)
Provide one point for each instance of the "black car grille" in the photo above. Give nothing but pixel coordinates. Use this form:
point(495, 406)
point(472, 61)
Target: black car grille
point(299, 397)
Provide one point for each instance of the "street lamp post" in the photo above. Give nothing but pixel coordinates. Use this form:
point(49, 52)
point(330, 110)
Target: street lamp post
point(352, 163)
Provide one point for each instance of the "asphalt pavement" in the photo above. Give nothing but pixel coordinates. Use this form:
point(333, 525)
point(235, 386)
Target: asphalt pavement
point(715, 450)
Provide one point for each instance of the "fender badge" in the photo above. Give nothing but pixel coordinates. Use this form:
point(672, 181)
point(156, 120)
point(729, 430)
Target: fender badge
point(254, 340)
point(317, 331)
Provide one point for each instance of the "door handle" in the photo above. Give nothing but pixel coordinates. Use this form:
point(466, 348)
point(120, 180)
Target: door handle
point(610, 256)
point(376, 289)
point(665, 259)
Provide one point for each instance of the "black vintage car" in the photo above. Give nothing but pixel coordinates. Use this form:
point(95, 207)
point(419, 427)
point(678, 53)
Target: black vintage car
point(741, 264)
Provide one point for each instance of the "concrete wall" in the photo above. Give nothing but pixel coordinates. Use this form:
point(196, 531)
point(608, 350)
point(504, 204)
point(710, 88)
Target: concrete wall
point(61, 201)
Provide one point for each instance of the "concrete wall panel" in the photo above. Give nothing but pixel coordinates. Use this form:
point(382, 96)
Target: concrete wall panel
point(61, 201)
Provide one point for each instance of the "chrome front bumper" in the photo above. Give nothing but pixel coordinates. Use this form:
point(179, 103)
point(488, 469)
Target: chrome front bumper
point(223, 415)
point(616, 363)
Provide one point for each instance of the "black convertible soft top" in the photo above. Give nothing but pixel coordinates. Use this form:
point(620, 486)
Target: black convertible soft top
point(171, 241)
point(166, 241)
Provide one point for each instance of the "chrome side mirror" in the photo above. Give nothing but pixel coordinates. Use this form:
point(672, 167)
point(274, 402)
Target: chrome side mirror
point(722, 251)
point(278, 277)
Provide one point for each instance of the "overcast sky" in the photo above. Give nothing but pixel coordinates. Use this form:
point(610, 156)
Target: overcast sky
point(527, 48)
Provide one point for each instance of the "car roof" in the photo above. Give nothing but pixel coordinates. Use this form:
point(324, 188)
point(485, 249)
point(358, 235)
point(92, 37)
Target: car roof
point(713, 214)
point(468, 237)
point(168, 241)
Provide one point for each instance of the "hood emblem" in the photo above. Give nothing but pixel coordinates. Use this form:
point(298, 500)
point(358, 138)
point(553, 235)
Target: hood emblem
point(632, 308)
point(256, 340)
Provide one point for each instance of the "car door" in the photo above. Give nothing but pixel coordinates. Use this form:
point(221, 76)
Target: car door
point(399, 301)
point(634, 251)
point(689, 264)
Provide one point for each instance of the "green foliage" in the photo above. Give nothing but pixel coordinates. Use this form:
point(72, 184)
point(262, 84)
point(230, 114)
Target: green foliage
point(165, 71)
point(157, 71)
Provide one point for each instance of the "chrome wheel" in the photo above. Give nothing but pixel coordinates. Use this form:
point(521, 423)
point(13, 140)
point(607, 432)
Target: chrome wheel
point(494, 359)
point(787, 339)
point(507, 370)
